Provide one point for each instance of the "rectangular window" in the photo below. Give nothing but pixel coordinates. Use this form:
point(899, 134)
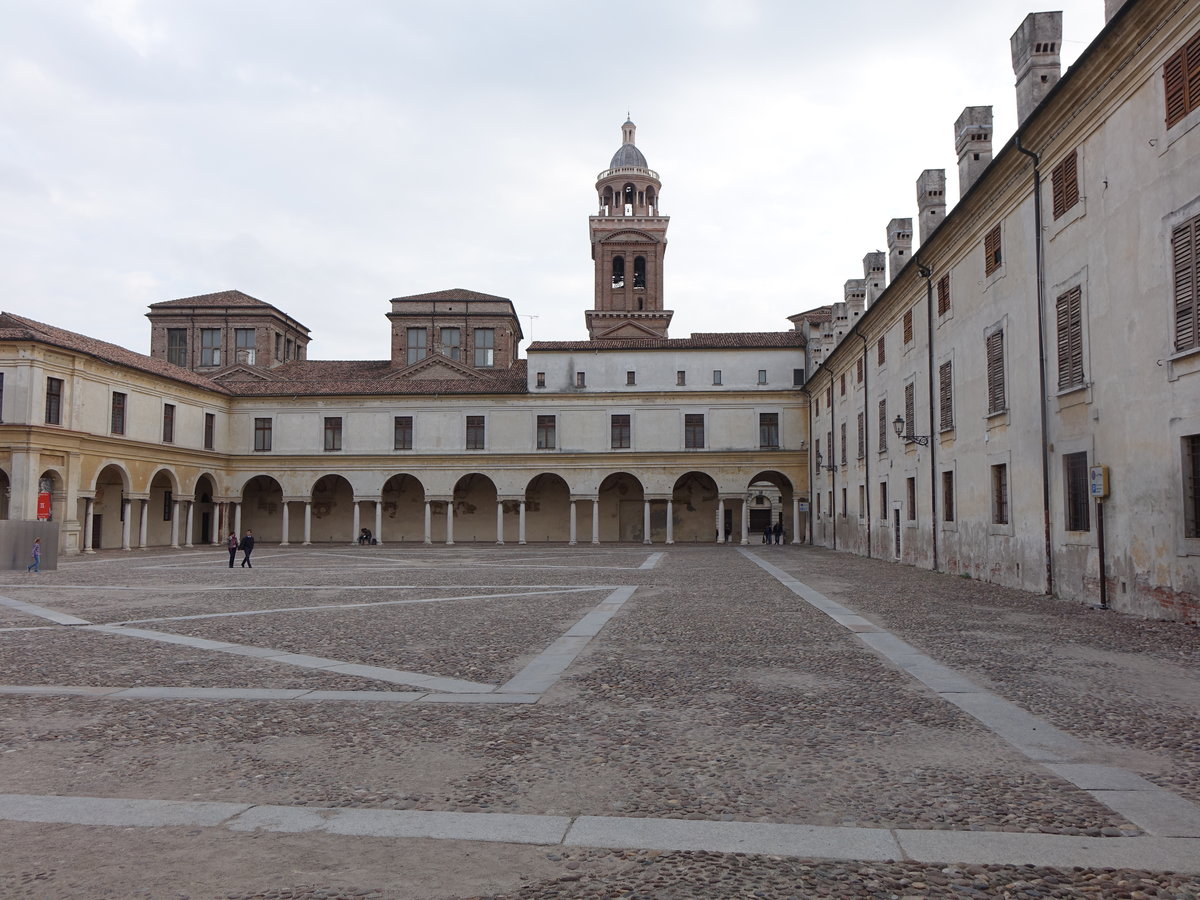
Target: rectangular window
point(693, 431)
point(716, 376)
point(289, 349)
point(797, 377)
point(997, 400)
point(333, 433)
point(452, 342)
point(168, 423)
point(475, 433)
point(1185, 252)
point(210, 430)
point(762, 376)
point(1070, 339)
point(262, 434)
point(681, 378)
point(244, 345)
point(859, 370)
point(862, 435)
point(946, 396)
point(1181, 80)
point(947, 496)
point(1000, 494)
point(541, 379)
point(992, 251)
point(631, 377)
point(883, 425)
point(943, 294)
point(911, 488)
point(54, 396)
point(908, 331)
point(1, 396)
point(883, 497)
point(485, 347)
point(1064, 185)
point(910, 409)
point(829, 397)
point(210, 346)
point(168, 506)
point(177, 341)
point(842, 439)
point(1075, 480)
point(880, 357)
point(842, 389)
point(843, 503)
point(1191, 485)
point(403, 432)
point(546, 427)
point(278, 348)
point(862, 500)
point(118, 412)
point(768, 431)
point(580, 379)
point(620, 432)
point(415, 343)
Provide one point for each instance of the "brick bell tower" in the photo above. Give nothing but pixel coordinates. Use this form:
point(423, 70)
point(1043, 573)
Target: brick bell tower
point(629, 241)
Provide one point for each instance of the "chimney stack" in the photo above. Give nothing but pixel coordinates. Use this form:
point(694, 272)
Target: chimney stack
point(1111, 7)
point(874, 275)
point(931, 201)
point(1035, 58)
point(899, 243)
point(973, 141)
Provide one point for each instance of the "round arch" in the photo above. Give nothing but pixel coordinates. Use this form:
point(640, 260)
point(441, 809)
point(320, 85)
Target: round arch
point(5, 493)
point(769, 501)
point(403, 513)
point(694, 508)
point(262, 508)
point(548, 510)
point(332, 510)
point(474, 500)
point(108, 509)
point(205, 524)
point(621, 498)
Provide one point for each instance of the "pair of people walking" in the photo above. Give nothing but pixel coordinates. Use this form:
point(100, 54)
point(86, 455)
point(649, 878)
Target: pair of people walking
point(246, 545)
point(773, 534)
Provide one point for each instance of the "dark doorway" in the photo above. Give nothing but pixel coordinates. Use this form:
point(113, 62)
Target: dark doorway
point(97, 530)
point(206, 528)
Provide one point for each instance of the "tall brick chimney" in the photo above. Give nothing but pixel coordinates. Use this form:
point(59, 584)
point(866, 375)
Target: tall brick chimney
point(899, 243)
point(973, 141)
point(874, 274)
point(931, 201)
point(1035, 58)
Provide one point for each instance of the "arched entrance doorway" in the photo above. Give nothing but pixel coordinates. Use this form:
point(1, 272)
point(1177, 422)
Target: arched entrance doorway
point(548, 510)
point(474, 509)
point(109, 511)
point(262, 508)
point(694, 508)
point(333, 511)
point(622, 508)
point(769, 499)
point(204, 517)
point(403, 498)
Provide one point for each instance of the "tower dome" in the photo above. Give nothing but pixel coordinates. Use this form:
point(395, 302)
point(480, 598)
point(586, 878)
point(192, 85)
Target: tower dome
point(628, 154)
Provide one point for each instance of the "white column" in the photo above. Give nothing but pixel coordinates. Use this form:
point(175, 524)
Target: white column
point(307, 522)
point(745, 523)
point(670, 522)
point(174, 524)
point(499, 521)
point(379, 522)
point(428, 521)
point(450, 522)
point(189, 522)
point(356, 528)
point(595, 520)
point(219, 517)
point(127, 508)
point(144, 523)
point(720, 520)
point(287, 521)
point(645, 521)
point(521, 523)
point(572, 526)
point(89, 510)
point(237, 520)
point(795, 520)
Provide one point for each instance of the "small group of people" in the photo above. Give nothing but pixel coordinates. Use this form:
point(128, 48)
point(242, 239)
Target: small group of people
point(365, 537)
point(246, 545)
point(773, 534)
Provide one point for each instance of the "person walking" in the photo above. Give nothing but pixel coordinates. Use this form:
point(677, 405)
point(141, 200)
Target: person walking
point(778, 529)
point(35, 566)
point(232, 546)
point(247, 548)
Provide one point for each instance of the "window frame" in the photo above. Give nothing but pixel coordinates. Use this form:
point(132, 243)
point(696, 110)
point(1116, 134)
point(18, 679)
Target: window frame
point(332, 433)
point(1001, 513)
point(210, 430)
point(997, 383)
point(168, 431)
point(263, 433)
point(119, 412)
point(402, 432)
point(620, 430)
point(475, 436)
point(416, 344)
point(177, 353)
point(210, 353)
point(54, 400)
point(483, 348)
point(546, 432)
point(1076, 512)
point(768, 431)
point(1185, 282)
point(693, 431)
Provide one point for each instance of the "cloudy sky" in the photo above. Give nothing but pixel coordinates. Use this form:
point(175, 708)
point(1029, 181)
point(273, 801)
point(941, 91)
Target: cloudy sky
point(327, 156)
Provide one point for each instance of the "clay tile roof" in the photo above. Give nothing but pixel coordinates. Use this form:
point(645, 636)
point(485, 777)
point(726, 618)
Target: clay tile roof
point(19, 328)
point(454, 294)
point(326, 377)
point(820, 314)
point(745, 340)
point(221, 298)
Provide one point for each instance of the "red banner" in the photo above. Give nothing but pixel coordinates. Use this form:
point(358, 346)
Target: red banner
point(44, 506)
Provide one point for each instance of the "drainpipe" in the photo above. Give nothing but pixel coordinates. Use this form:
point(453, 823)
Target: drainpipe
point(833, 472)
point(812, 478)
point(866, 440)
point(1039, 246)
point(927, 273)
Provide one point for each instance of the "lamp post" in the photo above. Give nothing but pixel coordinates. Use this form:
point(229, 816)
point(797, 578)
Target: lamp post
point(820, 466)
point(898, 427)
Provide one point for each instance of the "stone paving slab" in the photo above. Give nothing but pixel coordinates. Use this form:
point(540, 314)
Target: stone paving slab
point(41, 612)
point(1029, 734)
point(1157, 811)
point(115, 811)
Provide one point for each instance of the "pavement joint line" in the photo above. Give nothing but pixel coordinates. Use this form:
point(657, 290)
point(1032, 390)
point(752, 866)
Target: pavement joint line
point(42, 612)
point(1154, 809)
point(793, 840)
point(651, 561)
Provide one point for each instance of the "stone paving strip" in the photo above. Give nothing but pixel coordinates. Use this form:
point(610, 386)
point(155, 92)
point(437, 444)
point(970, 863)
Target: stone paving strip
point(527, 686)
point(1155, 810)
point(42, 612)
point(1167, 854)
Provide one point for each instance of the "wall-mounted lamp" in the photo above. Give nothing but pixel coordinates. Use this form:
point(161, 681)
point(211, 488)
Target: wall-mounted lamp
point(898, 427)
point(827, 468)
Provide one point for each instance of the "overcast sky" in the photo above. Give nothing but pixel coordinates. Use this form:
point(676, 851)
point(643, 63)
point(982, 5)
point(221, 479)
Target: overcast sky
point(328, 156)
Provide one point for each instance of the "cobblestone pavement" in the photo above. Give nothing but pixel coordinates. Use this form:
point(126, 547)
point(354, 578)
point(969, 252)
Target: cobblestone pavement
point(713, 695)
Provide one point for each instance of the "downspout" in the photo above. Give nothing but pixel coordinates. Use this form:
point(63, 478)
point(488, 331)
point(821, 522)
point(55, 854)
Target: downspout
point(866, 440)
point(811, 473)
point(832, 461)
point(1039, 246)
point(927, 273)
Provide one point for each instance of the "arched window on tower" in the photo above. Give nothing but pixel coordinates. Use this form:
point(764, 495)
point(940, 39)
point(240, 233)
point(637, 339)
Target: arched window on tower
point(650, 198)
point(639, 271)
point(629, 194)
point(618, 273)
point(641, 198)
point(607, 200)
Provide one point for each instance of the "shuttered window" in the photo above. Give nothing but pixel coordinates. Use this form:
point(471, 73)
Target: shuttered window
point(842, 388)
point(908, 327)
point(842, 436)
point(943, 292)
point(880, 358)
point(1000, 495)
point(862, 447)
point(948, 496)
point(1064, 185)
point(859, 373)
point(910, 407)
point(992, 255)
point(1185, 249)
point(1181, 80)
point(997, 402)
point(946, 395)
point(1191, 485)
point(882, 425)
point(1070, 339)
point(1075, 481)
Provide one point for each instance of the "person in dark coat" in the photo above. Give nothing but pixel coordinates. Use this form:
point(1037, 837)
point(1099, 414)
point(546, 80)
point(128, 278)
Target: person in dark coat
point(247, 548)
point(232, 546)
point(778, 532)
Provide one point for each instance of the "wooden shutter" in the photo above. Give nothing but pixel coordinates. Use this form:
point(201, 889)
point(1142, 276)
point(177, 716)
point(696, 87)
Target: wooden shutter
point(1070, 339)
point(946, 395)
point(908, 327)
point(842, 436)
point(1185, 249)
point(991, 251)
point(882, 424)
point(1175, 86)
point(1064, 185)
point(910, 425)
point(1192, 65)
point(842, 386)
point(943, 292)
point(995, 372)
point(879, 352)
point(860, 370)
point(861, 436)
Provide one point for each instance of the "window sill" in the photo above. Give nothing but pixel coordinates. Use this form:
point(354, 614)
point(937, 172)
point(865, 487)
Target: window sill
point(946, 435)
point(996, 419)
point(1183, 362)
point(1074, 214)
point(1000, 530)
